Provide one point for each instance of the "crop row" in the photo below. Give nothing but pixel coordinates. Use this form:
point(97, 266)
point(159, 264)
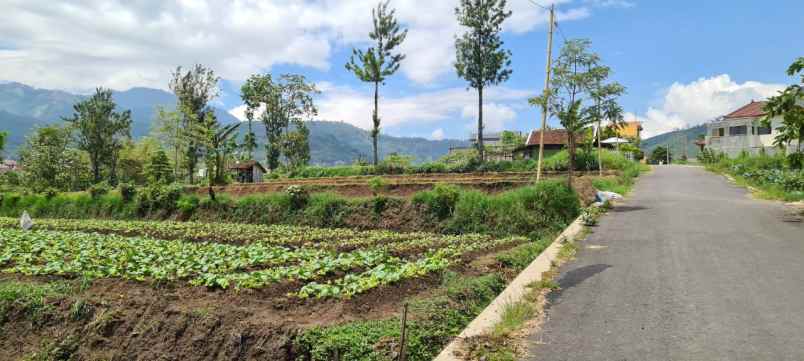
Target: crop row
point(255, 265)
point(234, 233)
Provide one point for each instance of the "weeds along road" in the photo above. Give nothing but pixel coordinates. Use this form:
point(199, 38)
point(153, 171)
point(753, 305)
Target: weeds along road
point(688, 268)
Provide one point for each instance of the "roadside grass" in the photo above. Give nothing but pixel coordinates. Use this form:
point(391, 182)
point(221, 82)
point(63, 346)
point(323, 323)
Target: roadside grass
point(772, 192)
point(513, 318)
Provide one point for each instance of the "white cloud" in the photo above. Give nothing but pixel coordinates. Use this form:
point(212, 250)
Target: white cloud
point(700, 101)
point(437, 134)
point(77, 45)
point(343, 103)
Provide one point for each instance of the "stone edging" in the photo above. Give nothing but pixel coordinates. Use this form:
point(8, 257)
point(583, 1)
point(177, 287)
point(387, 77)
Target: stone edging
point(484, 323)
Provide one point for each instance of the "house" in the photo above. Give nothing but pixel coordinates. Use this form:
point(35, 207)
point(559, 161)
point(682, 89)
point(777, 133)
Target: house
point(9, 165)
point(554, 141)
point(629, 130)
point(249, 171)
point(742, 131)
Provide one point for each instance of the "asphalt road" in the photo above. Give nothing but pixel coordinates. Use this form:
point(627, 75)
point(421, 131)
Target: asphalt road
point(688, 268)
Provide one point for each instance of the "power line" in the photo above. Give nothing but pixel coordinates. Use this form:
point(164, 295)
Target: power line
point(561, 32)
point(539, 5)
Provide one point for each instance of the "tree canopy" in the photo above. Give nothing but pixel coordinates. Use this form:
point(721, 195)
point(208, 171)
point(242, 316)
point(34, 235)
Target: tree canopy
point(379, 62)
point(480, 58)
point(101, 132)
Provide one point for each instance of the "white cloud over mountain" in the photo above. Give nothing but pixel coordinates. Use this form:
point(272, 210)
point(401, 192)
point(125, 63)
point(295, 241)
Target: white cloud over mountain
point(699, 101)
point(343, 103)
point(77, 45)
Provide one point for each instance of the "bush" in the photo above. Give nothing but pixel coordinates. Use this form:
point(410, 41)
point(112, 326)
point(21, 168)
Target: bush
point(187, 204)
point(377, 184)
point(298, 197)
point(158, 198)
point(127, 191)
point(440, 201)
point(98, 190)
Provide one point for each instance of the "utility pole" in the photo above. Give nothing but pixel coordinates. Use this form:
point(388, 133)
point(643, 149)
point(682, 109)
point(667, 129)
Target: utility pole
point(546, 91)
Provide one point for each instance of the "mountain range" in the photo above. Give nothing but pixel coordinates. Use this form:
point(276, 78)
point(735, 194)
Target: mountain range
point(22, 108)
point(676, 141)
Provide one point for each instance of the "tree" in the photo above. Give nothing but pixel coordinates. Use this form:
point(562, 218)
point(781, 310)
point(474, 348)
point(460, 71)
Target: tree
point(377, 63)
point(297, 146)
point(213, 139)
point(158, 169)
point(660, 154)
point(49, 162)
point(101, 132)
point(280, 104)
point(194, 90)
point(134, 157)
point(480, 59)
point(576, 70)
point(789, 105)
point(3, 137)
point(604, 97)
point(167, 127)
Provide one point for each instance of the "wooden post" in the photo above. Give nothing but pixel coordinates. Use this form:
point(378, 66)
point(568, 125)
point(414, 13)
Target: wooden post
point(546, 89)
point(403, 335)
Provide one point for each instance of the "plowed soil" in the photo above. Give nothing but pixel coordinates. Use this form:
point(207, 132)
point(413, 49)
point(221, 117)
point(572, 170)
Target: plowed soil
point(395, 185)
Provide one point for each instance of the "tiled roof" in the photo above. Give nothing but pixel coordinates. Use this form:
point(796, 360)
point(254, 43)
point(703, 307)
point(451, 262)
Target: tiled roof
point(750, 110)
point(247, 165)
point(551, 137)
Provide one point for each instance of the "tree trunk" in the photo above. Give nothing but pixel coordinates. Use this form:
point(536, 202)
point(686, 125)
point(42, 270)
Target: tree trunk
point(480, 148)
point(599, 150)
point(375, 133)
point(96, 168)
point(571, 170)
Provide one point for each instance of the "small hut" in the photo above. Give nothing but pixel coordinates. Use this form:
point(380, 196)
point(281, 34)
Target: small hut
point(249, 171)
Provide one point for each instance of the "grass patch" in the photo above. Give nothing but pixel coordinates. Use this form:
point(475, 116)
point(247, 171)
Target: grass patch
point(513, 318)
point(30, 299)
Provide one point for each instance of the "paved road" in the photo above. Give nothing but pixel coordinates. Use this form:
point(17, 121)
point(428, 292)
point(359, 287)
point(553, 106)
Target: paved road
point(688, 268)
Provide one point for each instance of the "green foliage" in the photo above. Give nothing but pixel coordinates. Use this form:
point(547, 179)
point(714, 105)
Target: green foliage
point(297, 146)
point(99, 189)
point(158, 198)
point(433, 322)
point(377, 184)
point(100, 132)
point(49, 162)
point(774, 175)
point(284, 101)
point(659, 155)
point(3, 137)
point(395, 164)
point(194, 90)
point(788, 106)
point(378, 62)
point(520, 257)
point(298, 197)
point(158, 169)
point(187, 204)
point(440, 201)
point(29, 300)
point(480, 58)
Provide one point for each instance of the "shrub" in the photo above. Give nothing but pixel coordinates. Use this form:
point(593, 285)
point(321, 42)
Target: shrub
point(158, 198)
point(298, 197)
point(100, 189)
point(440, 201)
point(187, 204)
point(377, 184)
point(127, 191)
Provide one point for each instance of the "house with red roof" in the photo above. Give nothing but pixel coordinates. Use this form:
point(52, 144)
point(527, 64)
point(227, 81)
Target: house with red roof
point(742, 131)
point(554, 141)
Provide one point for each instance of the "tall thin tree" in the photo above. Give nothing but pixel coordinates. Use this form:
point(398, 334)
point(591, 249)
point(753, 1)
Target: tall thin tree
point(194, 89)
point(379, 62)
point(480, 58)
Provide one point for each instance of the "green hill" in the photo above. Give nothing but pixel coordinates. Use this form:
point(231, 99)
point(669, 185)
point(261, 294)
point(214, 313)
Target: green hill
point(22, 108)
point(676, 140)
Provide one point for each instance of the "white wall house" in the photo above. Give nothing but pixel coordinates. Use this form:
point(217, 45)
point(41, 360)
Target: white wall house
point(742, 130)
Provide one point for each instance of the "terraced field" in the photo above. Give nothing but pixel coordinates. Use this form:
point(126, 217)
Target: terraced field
point(398, 185)
point(321, 263)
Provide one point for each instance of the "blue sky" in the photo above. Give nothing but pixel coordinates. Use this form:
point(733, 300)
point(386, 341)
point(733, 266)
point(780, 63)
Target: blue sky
point(683, 62)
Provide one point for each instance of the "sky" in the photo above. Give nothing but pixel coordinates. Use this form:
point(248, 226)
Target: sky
point(683, 62)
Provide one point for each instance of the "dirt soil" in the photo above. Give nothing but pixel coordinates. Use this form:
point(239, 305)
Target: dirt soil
point(124, 320)
point(396, 185)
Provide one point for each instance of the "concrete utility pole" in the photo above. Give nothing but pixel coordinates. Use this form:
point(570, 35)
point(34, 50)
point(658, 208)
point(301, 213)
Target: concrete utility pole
point(546, 90)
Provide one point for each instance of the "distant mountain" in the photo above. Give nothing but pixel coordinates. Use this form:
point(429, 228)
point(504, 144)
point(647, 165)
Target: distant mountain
point(333, 143)
point(675, 140)
point(22, 108)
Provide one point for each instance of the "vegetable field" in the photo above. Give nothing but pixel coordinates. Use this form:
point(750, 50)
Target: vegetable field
point(314, 263)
